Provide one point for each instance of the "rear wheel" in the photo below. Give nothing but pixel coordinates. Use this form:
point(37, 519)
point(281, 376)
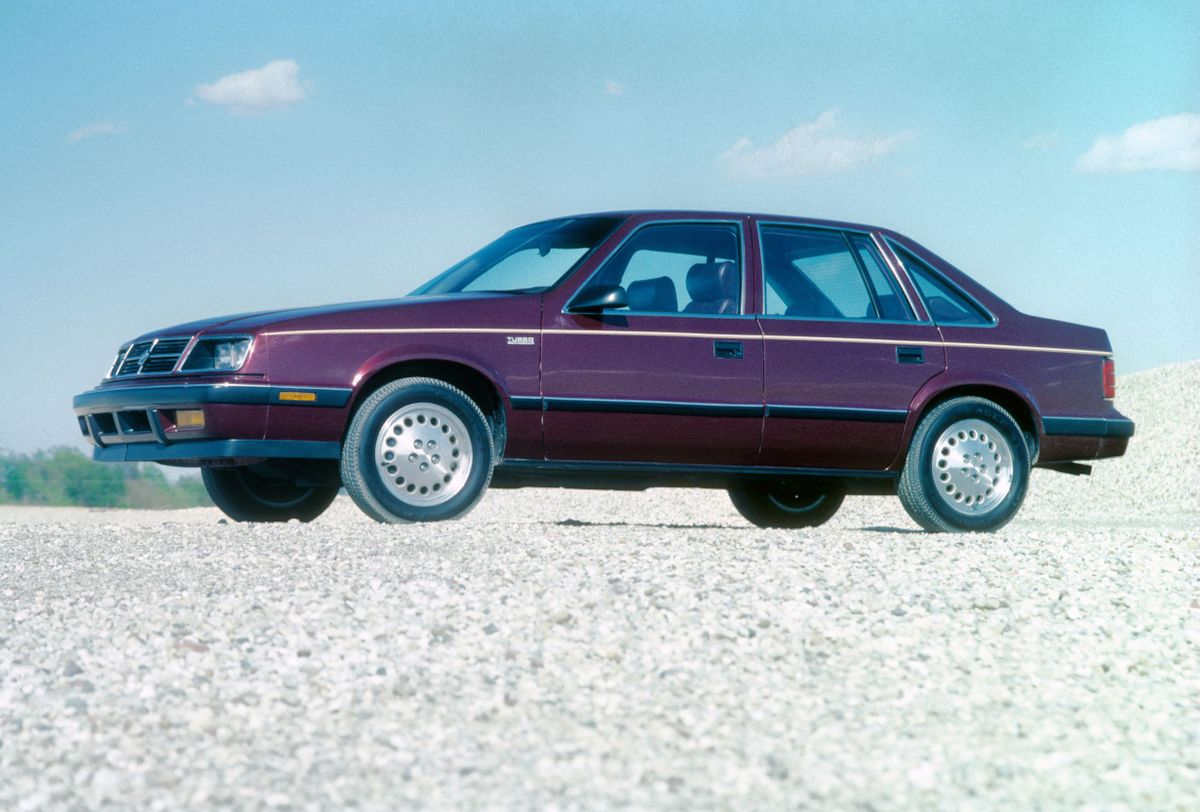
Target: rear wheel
point(785, 506)
point(418, 450)
point(248, 496)
point(967, 468)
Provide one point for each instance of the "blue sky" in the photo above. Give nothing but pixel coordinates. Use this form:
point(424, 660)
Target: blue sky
point(1052, 150)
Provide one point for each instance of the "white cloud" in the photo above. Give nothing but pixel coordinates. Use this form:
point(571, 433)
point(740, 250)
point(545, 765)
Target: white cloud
point(1169, 143)
point(1042, 141)
point(93, 130)
point(613, 88)
point(809, 149)
point(275, 84)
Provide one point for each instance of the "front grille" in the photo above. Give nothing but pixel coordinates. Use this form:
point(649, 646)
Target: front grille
point(156, 357)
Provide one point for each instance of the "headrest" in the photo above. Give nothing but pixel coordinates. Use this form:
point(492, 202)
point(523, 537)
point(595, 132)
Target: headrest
point(657, 294)
point(710, 281)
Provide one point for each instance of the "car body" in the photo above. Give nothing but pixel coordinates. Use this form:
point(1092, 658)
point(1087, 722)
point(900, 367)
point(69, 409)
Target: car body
point(750, 352)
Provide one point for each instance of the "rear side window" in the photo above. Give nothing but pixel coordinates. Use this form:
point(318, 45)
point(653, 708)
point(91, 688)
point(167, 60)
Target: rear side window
point(819, 274)
point(945, 303)
point(891, 301)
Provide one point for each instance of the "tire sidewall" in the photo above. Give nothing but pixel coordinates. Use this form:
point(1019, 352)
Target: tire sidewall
point(376, 415)
point(754, 501)
point(1003, 423)
point(236, 492)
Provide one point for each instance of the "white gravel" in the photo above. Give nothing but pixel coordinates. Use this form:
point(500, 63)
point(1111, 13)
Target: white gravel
point(572, 649)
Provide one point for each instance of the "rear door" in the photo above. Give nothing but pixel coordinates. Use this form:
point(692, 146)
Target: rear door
point(674, 378)
point(846, 347)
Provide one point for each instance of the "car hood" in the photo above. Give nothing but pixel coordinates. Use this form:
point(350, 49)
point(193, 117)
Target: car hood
point(380, 312)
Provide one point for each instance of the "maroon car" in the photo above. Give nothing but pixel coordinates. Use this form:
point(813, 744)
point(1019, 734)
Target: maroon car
point(788, 360)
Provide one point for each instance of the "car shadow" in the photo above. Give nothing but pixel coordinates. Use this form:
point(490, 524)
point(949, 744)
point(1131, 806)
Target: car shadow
point(581, 523)
point(884, 529)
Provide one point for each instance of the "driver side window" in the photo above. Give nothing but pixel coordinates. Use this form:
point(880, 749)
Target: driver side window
point(689, 268)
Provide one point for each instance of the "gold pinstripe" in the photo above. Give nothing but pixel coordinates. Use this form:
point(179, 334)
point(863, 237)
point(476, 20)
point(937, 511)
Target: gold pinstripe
point(678, 334)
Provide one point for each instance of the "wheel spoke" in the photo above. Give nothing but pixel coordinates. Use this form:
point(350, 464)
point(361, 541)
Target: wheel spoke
point(972, 467)
point(423, 454)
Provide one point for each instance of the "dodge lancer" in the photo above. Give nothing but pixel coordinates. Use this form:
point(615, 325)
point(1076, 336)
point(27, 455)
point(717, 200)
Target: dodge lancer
point(786, 360)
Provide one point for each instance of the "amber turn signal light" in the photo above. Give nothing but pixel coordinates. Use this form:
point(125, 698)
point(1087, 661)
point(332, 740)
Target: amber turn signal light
point(189, 419)
point(301, 397)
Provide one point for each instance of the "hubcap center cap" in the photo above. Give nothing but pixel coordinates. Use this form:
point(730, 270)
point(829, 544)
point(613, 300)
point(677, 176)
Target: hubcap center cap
point(972, 466)
point(423, 454)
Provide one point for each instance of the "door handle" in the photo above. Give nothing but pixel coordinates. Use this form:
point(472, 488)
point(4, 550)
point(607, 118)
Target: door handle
point(727, 349)
point(910, 355)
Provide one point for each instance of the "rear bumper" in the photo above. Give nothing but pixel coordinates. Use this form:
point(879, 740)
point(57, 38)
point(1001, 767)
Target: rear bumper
point(1085, 438)
point(1088, 426)
point(138, 423)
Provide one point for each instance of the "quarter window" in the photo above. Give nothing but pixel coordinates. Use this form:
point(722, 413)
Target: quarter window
point(691, 268)
point(818, 274)
point(945, 303)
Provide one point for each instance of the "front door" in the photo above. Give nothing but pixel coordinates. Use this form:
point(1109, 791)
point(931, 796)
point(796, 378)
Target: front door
point(844, 351)
point(676, 377)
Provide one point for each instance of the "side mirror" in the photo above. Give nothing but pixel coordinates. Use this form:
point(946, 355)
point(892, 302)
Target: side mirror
point(597, 298)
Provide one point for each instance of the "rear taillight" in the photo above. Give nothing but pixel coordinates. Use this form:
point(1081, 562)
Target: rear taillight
point(1110, 378)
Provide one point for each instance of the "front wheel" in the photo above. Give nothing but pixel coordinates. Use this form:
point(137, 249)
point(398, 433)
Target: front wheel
point(967, 468)
point(246, 496)
point(788, 507)
point(418, 450)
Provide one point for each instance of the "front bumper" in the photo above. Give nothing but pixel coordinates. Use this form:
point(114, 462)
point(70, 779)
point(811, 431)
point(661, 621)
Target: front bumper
point(137, 423)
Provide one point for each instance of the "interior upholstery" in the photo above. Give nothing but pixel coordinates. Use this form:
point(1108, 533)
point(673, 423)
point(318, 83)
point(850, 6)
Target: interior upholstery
point(655, 295)
point(713, 288)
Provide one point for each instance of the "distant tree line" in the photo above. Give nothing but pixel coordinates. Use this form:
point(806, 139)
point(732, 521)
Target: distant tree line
point(64, 476)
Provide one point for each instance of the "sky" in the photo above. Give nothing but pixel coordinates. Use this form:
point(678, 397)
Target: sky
point(161, 162)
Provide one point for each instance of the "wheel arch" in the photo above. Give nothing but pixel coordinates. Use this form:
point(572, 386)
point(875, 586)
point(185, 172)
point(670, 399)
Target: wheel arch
point(478, 385)
point(1000, 389)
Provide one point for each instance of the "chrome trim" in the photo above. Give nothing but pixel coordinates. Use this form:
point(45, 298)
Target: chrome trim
point(896, 249)
point(654, 333)
point(742, 235)
point(762, 306)
point(400, 331)
point(123, 356)
point(690, 334)
point(894, 266)
point(849, 320)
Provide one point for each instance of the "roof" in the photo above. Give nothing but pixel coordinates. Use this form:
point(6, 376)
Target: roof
point(703, 214)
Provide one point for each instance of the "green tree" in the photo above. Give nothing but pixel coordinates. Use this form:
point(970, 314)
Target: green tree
point(64, 476)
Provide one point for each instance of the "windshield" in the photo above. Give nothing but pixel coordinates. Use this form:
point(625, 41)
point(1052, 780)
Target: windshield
point(529, 259)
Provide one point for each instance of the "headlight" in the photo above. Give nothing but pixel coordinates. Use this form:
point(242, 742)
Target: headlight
point(223, 354)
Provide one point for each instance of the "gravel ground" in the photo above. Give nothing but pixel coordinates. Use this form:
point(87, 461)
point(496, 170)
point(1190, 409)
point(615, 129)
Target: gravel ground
point(571, 649)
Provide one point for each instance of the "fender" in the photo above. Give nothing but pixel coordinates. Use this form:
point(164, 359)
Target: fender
point(959, 378)
point(428, 351)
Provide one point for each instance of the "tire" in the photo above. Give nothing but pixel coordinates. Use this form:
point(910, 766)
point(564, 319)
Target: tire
point(246, 496)
point(417, 450)
point(967, 468)
point(789, 507)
